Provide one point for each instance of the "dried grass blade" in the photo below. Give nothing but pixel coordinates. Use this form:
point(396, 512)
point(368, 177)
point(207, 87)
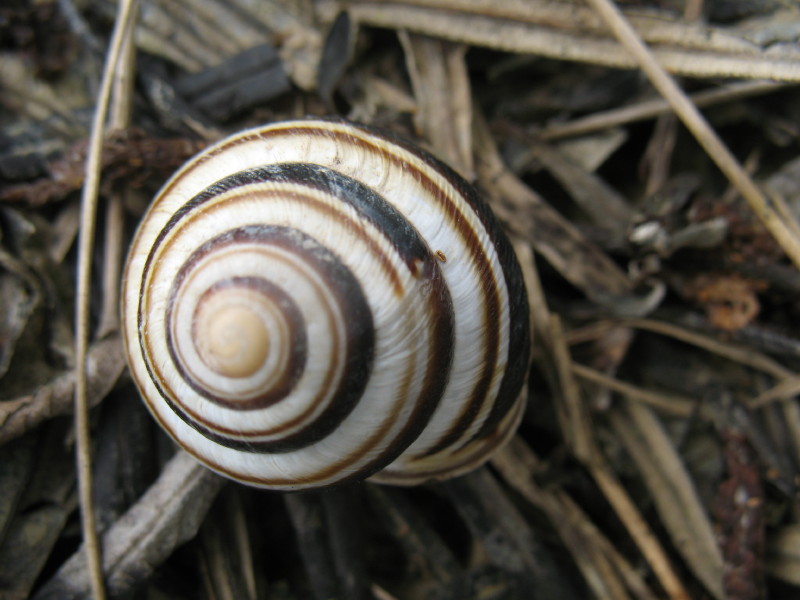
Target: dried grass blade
point(686, 55)
point(124, 21)
point(573, 414)
point(740, 354)
point(639, 530)
point(119, 118)
point(576, 426)
point(653, 108)
point(440, 81)
point(574, 16)
point(672, 491)
point(783, 390)
point(606, 571)
point(539, 313)
point(671, 404)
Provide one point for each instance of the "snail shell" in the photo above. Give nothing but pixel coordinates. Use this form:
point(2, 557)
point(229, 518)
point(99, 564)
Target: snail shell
point(313, 302)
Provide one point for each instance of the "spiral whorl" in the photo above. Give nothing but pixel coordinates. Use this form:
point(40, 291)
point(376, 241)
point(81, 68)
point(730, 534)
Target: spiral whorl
point(313, 301)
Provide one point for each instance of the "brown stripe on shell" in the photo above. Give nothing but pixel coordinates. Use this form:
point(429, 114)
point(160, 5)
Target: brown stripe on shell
point(298, 343)
point(519, 329)
point(492, 312)
point(206, 206)
point(519, 333)
point(436, 377)
point(406, 242)
point(441, 353)
point(186, 221)
point(188, 213)
point(479, 451)
point(358, 356)
point(333, 471)
point(410, 246)
point(173, 399)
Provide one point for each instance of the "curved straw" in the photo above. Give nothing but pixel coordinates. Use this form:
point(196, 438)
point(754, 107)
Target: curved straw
point(85, 244)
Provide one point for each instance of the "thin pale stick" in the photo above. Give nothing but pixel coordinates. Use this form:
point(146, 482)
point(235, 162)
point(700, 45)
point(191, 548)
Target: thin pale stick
point(654, 108)
point(638, 528)
point(575, 421)
point(699, 127)
point(119, 117)
point(573, 414)
point(85, 244)
point(785, 389)
point(575, 530)
point(680, 406)
point(568, 31)
point(739, 354)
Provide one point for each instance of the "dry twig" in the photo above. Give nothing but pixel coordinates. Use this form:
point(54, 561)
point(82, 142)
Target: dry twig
point(125, 20)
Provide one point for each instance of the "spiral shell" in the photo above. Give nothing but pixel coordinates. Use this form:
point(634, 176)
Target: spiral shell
point(313, 302)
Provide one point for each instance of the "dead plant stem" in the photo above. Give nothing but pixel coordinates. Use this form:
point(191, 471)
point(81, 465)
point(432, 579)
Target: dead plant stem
point(85, 244)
